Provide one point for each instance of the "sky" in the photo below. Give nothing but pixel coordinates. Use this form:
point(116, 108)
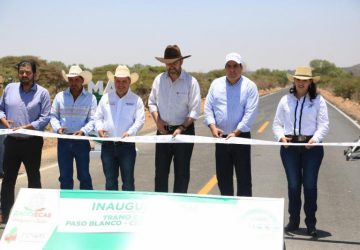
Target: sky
point(274, 34)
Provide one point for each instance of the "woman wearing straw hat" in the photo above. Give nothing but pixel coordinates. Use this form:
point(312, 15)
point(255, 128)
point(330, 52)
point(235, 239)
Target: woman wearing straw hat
point(302, 117)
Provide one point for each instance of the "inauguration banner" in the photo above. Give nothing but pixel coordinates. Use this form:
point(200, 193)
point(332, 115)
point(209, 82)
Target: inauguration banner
point(76, 219)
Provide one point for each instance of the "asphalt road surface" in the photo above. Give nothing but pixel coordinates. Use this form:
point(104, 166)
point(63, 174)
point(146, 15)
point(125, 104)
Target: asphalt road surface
point(338, 188)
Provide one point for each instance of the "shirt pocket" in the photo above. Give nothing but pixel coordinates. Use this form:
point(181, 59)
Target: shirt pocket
point(310, 112)
point(128, 111)
point(181, 97)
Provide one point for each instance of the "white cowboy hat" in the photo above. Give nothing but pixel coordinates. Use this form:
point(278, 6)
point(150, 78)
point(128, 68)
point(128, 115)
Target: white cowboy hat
point(75, 70)
point(303, 73)
point(123, 71)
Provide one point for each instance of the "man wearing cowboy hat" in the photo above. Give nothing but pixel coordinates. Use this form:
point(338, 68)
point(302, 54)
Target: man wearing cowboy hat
point(230, 110)
point(72, 113)
point(302, 117)
point(174, 103)
point(25, 105)
point(119, 114)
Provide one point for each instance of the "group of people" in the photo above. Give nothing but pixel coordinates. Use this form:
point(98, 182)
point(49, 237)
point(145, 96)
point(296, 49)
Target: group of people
point(174, 103)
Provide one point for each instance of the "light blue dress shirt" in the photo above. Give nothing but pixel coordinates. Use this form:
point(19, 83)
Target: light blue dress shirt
point(23, 107)
point(73, 115)
point(231, 107)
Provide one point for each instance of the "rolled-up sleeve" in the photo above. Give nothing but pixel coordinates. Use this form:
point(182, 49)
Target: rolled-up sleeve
point(90, 121)
point(139, 118)
point(194, 100)
point(322, 122)
point(152, 102)
point(55, 114)
point(99, 114)
point(44, 117)
point(278, 123)
point(250, 111)
point(208, 108)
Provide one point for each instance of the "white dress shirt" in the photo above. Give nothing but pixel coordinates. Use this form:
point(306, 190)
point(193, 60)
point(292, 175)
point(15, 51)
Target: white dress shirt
point(231, 107)
point(119, 115)
point(175, 101)
point(301, 117)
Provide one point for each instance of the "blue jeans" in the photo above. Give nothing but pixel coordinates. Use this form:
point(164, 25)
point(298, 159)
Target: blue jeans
point(68, 150)
point(302, 168)
point(118, 155)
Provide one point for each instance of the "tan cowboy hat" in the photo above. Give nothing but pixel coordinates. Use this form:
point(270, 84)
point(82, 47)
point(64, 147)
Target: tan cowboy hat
point(75, 70)
point(303, 73)
point(123, 71)
point(172, 54)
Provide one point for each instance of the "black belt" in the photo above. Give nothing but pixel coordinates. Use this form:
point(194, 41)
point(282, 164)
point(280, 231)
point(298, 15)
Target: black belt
point(299, 138)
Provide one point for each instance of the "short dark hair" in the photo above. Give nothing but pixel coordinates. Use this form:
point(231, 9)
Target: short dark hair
point(27, 62)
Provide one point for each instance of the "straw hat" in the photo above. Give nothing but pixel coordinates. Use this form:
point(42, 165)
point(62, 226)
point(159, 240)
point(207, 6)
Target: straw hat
point(74, 71)
point(303, 73)
point(123, 71)
point(172, 54)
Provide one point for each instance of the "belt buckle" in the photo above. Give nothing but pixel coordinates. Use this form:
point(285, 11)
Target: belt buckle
point(170, 128)
point(301, 138)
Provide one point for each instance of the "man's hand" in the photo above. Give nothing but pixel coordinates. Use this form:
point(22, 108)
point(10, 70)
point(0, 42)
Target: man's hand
point(126, 134)
point(177, 131)
point(7, 123)
point(79, 132)
point(235, 133)
point(28, 126)
point(102, 133)
point(160, 124)
point(61, 130)
point(216, 132)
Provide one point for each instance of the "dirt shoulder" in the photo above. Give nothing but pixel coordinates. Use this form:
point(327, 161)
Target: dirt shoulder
point(349, 107)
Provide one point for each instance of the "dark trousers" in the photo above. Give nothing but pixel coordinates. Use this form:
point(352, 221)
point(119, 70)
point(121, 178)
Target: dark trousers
point(17, 151)
point(181, 154)
point(302, 168)
point(228, 157)
point(67, 151)
point(115, 155)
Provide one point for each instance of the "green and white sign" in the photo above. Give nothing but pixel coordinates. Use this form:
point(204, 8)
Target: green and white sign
point(70, 219)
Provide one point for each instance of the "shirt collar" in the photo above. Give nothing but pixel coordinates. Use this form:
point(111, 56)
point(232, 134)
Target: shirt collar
point(238, 82)
point(83, 92)
point(33, 87)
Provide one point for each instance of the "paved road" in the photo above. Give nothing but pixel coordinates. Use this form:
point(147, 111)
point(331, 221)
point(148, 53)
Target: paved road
point(339, 190)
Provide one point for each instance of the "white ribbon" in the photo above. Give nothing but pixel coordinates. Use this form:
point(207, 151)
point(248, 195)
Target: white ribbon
point(169, 139)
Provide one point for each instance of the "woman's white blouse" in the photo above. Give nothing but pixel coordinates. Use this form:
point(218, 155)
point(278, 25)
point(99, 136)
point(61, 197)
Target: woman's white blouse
point(296, 117)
